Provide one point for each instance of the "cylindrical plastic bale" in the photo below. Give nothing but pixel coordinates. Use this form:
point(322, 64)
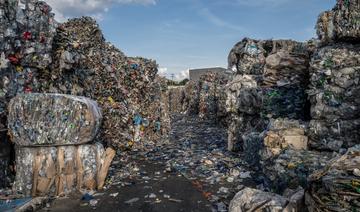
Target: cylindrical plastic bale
point(53, 119)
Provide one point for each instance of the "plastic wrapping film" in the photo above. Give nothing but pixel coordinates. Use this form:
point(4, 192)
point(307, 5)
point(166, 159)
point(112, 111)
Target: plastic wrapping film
point(342, 23)
point(60, 170)
point(336, 186)
point(53, 119)
point(334, 93)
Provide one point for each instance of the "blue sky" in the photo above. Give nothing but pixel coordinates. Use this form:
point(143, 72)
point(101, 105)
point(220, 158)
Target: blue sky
point(183, 34)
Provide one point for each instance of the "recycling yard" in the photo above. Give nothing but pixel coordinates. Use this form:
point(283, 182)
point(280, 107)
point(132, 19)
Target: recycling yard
point(84, 127)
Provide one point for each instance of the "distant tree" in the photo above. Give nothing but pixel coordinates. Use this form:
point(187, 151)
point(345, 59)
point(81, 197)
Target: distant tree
point(184, 81)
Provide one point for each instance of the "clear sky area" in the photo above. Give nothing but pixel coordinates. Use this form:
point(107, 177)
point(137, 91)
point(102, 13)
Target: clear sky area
point(183, 34)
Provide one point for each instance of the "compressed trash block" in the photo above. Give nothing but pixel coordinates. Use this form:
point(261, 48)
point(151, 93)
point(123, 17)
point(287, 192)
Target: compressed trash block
point(342, 23)
point(249, 56)
point(176, 99)
point(211, 83)
point(250, 199)
point(60, 170)
point(290, 134)
point(291, 168)
point(27, 28)
point(334, 93)
point(336, 187)
point(192, 97)
point(335, 82)
point(279, 135)
point(333, 135)
point(283, 68)
point(53, 119)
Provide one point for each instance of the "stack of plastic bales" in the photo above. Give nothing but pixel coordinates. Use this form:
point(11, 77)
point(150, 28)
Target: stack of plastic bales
point(87, 65)
point(54, 153)
point(270, 84)
point(341, 23)
point(211, 85)
point(192, 97)
point(176, 99)
point(26, 34)
point(335, 73)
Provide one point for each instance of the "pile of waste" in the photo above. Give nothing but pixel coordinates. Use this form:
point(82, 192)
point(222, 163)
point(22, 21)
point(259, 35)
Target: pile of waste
point(41, 125)
point(87, 65)
point(341, 23)
point(74, 58)
point(39, 55)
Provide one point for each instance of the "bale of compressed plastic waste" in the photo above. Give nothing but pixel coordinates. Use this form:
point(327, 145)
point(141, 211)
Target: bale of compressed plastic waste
point(250, 199)
point(57, 171)
point(176, 99)
point(52, 119)
point(291, 167)
point(211, 85)
point(284, 68)
point(341, 23)
point(192, 97)
point(27, 29)
point(336, 187)
point(249, 56)
point(284, 134)
point(334, 94)
point(279, 135)
point(270, 83)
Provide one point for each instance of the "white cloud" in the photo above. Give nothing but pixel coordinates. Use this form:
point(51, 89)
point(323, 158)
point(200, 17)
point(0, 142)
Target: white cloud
point(162, 71)
point(182, 75)
point(206, 13)
point(64, 9)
